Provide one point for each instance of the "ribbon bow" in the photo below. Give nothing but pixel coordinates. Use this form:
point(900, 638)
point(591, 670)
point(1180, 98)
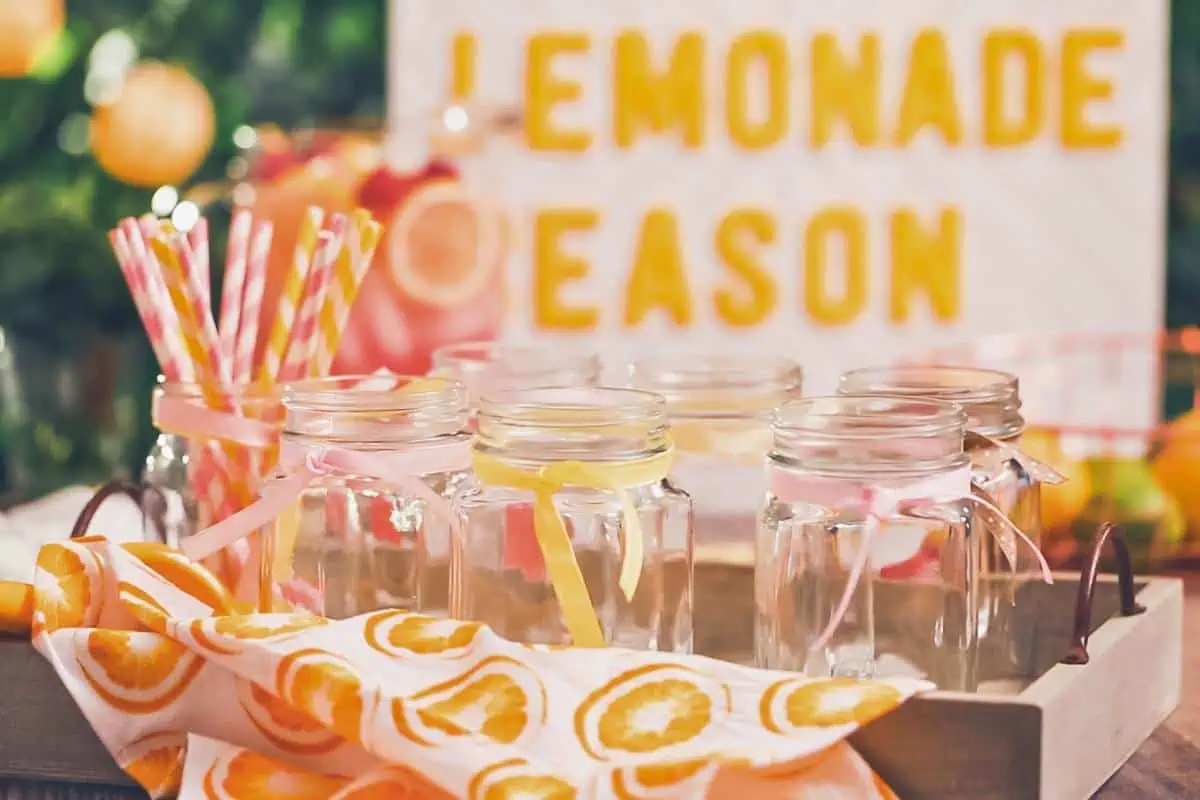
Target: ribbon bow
point(879, 504)
point(299, 466)
point(553, 540)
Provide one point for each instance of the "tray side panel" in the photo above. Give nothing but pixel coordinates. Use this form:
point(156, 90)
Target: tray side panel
point(43, 735)
point(937, 748)
point(1096, 715)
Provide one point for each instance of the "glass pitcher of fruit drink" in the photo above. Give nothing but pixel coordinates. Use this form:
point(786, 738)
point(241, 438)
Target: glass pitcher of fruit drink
point(872, 542)
point(572, 534)
point(438, 273)
point(992, 403)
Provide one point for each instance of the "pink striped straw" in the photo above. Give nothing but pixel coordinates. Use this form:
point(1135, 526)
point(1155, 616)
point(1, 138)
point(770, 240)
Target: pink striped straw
point(299, 351)
point(135, 272)
point(251, 311)
point(234, 283)
point(198, 240)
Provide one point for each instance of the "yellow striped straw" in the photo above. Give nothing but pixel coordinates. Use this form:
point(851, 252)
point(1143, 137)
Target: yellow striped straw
point(348, 274)
point(291, 295)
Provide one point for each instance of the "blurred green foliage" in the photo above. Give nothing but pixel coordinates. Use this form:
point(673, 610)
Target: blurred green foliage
point(62, 300)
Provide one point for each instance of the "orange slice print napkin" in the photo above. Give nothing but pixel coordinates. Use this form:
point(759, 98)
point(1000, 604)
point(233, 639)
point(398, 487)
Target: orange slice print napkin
point(195, 701)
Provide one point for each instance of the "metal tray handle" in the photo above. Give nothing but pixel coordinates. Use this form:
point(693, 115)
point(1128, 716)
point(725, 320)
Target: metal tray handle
point(137, 492)
point(1108, 532)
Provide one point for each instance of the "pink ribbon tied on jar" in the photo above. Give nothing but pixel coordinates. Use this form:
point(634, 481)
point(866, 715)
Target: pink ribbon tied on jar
point(881, 504)
point(301, 465)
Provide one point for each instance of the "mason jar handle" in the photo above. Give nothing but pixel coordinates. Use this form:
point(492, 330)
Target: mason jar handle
point(1108, 532)
point(134, 491)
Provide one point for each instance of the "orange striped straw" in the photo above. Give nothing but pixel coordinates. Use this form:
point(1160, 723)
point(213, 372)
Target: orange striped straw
point(291, 295)
point(200, 343)
point(348, 274)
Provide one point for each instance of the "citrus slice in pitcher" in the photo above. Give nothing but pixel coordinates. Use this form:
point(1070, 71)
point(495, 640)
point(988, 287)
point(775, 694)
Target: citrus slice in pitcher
point(444, 244)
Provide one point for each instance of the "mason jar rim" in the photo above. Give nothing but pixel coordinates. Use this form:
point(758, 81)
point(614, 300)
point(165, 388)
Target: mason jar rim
point(990, 398)
point(242, 395)
point(374, 393)
point(868, 416)
point(512, 359)
point(681, 378)
point(570, 406)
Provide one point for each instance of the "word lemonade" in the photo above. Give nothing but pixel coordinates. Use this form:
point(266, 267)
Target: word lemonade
point(1028, 90)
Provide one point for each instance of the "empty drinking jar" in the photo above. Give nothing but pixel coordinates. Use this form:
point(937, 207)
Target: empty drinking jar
point(870, 550)
point(357, 512)
point(720, 410)
point(992, 403)
point(571, 532)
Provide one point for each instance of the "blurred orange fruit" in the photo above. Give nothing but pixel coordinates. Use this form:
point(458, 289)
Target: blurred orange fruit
point(1062, 503)
point(27, 28)
point(1177, 466)
point(158, 129)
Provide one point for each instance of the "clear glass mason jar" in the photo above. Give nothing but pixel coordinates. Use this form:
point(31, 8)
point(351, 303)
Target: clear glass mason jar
point(199, 478)
point(843, 469)
point(493, 366)
point(598, 459)
point(720, 412)
point(992, 403)
point(359, 538)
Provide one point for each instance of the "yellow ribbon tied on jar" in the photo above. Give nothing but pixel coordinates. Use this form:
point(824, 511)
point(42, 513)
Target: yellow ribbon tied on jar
point(557, 551)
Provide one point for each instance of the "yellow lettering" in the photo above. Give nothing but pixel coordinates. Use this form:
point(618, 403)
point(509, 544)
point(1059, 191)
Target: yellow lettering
point(823, 306)
point(769, 49)
point(1079, 88)
point(552, 268)
point(926, 262)
point(929, 92)
point(544, 91)
point(658, 278)
point(1000, 48)
point(644, 99)
point(842, 90)
point(735, 239)
point(462, 66)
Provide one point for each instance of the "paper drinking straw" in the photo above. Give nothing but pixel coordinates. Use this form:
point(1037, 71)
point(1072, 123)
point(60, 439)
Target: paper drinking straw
point(349, 272)
point(233, 285)
point(134, 272)
point(300, 348)
point(291, 295)
point(198, 241)
point(156, 291)
point(248, 319)
point(200, 341)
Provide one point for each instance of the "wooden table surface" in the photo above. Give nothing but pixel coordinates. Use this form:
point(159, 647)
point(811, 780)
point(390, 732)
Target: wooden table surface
point(1168, 765)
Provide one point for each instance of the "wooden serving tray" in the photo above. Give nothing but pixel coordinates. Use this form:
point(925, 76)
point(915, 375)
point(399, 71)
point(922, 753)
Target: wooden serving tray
point(1058, 732)
point(1059, 735)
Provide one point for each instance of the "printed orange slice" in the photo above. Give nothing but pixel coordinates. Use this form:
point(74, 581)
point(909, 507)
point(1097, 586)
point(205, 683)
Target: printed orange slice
point(221, 634)
point(444, 244)
point(804, 703)
point(137, 672)
point(68, 587)
point(184, 574)
point(652, 781)
point(16, 607)
point(325, 687)
point(290, 730)
point(394, 783)
point(498, 698)
point(155, 762)
point(516, 779)
point(399, 633)
point(650, 709)
point(247, 774)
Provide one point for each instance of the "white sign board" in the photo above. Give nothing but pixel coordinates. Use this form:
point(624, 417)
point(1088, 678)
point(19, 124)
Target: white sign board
point(850, 182)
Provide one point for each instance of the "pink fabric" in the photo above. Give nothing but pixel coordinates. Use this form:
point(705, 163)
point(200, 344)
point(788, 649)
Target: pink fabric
point(299, 466)
point(879, 503)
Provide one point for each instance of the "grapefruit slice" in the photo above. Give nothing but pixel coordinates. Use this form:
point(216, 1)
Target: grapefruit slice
point(445, 244)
